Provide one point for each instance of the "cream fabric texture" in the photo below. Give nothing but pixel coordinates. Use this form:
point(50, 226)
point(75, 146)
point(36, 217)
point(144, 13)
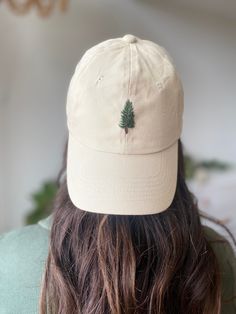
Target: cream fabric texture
point(108, 170)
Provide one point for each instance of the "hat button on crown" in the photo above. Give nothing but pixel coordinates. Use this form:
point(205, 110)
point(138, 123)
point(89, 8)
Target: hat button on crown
point(130, 38)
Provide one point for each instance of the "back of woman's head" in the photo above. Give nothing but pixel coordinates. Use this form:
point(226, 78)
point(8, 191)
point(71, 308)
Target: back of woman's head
point(158, 263)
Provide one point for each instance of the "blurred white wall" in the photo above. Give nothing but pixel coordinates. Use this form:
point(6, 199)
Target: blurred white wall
point(38, 57)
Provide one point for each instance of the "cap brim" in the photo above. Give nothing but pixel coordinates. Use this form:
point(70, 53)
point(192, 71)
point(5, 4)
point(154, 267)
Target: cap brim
point(121, 184)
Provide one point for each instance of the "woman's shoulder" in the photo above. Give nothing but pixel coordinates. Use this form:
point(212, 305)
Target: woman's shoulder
point(23, 240)
point(23, 253)
point(24, 247)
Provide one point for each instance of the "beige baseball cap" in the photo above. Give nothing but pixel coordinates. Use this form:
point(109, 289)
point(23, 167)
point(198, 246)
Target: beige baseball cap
point(124, 116)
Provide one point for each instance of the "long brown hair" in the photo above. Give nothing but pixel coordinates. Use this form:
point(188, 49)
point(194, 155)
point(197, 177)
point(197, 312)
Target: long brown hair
point(160, 263)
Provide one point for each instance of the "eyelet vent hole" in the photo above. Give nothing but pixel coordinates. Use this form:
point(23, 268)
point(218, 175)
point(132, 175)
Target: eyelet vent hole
point(99, 79)
point(159, 85)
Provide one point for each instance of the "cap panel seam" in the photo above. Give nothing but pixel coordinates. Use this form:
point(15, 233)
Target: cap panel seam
point(128, 92)
point(130, 69)
point(164, 78)
point(144, 60)
point(136, 73)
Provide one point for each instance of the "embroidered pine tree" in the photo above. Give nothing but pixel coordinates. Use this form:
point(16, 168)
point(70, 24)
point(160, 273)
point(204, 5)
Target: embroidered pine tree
point(127, 117)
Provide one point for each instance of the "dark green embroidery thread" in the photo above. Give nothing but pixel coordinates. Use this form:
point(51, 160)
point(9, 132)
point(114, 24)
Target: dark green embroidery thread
point(127, 117)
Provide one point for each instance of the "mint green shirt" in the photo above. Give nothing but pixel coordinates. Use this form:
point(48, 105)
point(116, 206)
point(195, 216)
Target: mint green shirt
point(23, 253)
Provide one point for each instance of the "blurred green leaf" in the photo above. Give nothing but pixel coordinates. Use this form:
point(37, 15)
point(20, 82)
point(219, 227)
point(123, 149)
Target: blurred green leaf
point(191, 165)
point(43, 200)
